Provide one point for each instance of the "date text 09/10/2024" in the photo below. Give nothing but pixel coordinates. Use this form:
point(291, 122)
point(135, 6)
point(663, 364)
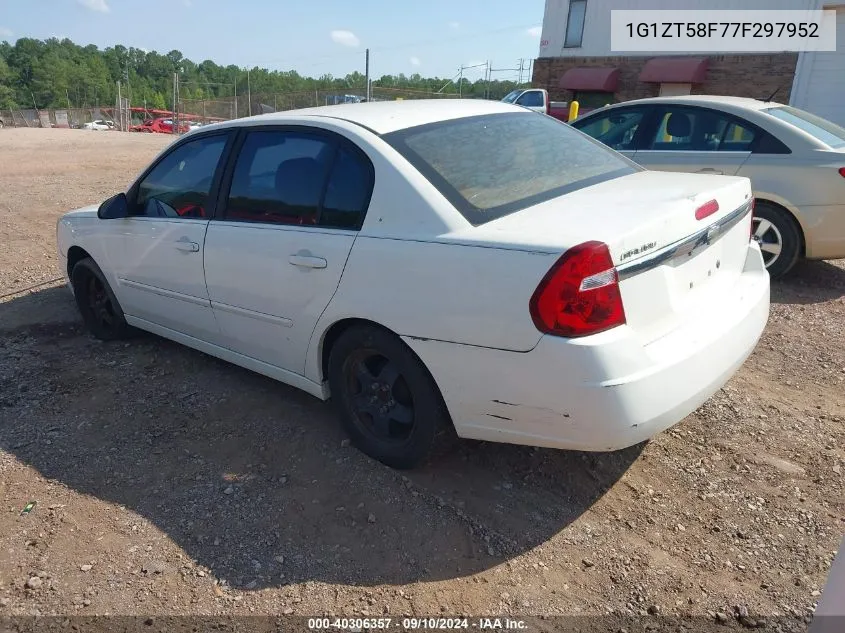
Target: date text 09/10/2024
point(358, 625)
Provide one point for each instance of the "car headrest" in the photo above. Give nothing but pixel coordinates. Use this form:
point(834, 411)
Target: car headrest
point(678, 125)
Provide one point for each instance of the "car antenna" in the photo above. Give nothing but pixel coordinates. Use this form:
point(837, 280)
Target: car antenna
point(772, 96)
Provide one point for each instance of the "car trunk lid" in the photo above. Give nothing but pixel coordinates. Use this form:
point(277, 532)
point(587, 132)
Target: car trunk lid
point(670, 259)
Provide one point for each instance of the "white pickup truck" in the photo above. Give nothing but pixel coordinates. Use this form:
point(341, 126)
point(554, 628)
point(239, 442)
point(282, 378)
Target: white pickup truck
point(537, 99)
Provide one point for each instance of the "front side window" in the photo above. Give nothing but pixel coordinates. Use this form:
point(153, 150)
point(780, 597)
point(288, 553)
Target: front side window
point(615, 129)
point(491, 165)
point(821, 129)
point(575, 23)
point(531, 99)
point(288, 177)
point(179, 184)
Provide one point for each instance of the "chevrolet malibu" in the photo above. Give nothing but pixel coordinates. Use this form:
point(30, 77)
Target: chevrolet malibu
point(434, 265)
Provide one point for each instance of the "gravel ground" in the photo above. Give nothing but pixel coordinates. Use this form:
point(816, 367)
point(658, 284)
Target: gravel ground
point(170, 483)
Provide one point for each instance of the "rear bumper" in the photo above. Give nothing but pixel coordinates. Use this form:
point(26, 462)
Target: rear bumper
point(603, 392)
point(824, 231)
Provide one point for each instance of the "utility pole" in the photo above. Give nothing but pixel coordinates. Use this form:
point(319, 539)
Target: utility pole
point(175, 97)
point(367, 72)
point(235, 106)
point(461, 83)
point(487, 86)
point(119, 108)
point(248, 95)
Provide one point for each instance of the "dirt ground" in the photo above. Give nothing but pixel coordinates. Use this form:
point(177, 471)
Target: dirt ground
point(168, 482)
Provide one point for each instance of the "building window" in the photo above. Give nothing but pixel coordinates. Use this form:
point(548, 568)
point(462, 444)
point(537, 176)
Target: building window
point(590, 100)
point(575, 23)
point(675, 90)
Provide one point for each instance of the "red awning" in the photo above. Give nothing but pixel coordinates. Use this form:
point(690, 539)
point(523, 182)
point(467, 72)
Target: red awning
point(592, 79)
point(675, 70)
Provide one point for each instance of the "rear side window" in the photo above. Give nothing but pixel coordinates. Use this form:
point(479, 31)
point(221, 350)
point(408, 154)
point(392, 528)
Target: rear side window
point(279, 178)
point(702, 130)
point(290, 177)
point(348, 191)
point(491, 165)
point(768, 144)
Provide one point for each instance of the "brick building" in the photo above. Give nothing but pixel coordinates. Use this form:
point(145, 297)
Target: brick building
point(576, 62)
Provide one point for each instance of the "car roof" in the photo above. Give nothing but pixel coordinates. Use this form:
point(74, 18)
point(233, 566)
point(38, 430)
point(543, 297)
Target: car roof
point(383, 117)
point(745, 103)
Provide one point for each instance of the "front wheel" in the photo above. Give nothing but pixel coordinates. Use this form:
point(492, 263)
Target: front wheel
point(97, 304)
point(779, 238)
point(388, 402)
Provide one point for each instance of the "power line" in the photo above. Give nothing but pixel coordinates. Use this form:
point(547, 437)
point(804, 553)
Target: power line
point(400, 46)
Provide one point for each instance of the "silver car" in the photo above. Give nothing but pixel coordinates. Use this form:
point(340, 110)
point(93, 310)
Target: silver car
point(795, 160)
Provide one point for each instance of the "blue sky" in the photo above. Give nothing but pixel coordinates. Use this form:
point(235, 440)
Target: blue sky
point(431, 37)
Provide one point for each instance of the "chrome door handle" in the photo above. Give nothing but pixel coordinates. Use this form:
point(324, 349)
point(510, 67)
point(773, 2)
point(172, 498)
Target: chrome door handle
point(307, 261)
point(188, 247)
point(711, 170)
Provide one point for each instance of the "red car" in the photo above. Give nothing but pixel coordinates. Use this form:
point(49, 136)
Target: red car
point(162, 126)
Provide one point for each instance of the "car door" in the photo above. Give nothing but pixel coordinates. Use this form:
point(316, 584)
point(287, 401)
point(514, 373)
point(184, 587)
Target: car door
point(618, 128)
point(293, 201)
point(695, 139)
point(157, 252)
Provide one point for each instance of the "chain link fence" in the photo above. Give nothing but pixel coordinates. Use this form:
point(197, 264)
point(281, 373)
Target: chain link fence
point(67, 118)
point(210, 110)
point(262, 103)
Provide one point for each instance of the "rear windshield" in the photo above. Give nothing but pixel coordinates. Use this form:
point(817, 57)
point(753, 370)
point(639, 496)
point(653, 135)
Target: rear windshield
point(491, 165)
point(823, 130)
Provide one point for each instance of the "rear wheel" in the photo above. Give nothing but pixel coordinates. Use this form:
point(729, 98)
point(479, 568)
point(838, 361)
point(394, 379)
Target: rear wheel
point(389, 404)
point(99, 307)
point(779, 237)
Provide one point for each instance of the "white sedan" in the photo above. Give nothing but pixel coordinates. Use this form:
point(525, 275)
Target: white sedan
point(434, 264)
point(99, 124)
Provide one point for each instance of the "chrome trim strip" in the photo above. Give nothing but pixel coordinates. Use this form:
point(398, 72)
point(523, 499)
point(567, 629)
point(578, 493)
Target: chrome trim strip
point(252, 314)
point(162, 292)
point(685, 246)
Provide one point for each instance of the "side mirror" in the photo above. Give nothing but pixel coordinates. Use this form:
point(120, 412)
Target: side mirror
point(113, 208)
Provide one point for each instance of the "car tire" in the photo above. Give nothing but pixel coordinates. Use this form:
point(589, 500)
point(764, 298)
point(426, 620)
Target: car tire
point(388, 402)
point(775, 229)
point(97, 304)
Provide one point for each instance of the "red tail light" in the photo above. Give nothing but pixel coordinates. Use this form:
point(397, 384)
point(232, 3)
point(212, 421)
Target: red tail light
point(706, 209)
point(549, 107)
point(842, 171)
point(580, 295)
